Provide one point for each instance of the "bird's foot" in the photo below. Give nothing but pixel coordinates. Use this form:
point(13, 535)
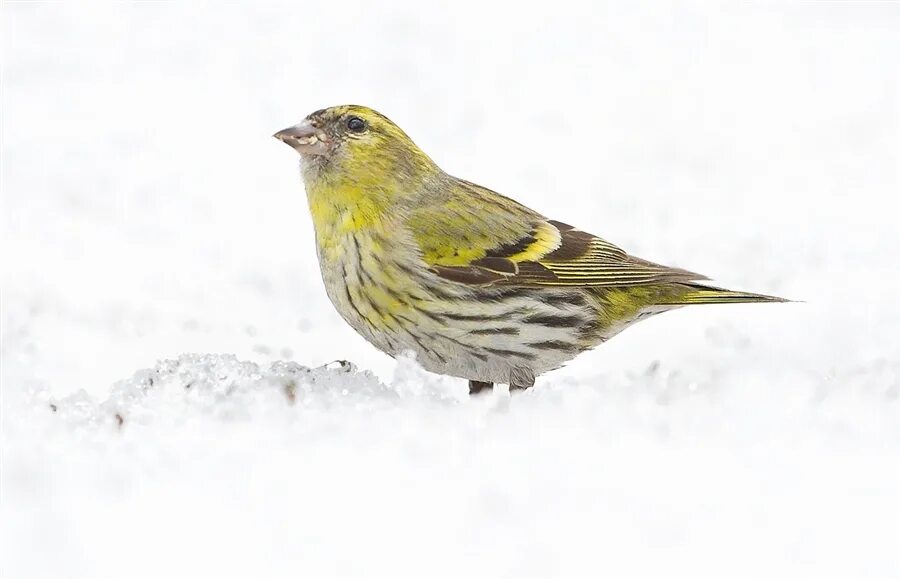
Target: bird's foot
point(476, 386)
point(521, 379)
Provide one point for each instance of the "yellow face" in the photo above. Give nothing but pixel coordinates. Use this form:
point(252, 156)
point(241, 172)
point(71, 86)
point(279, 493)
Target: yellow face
point(356, 165)
point(357, 130)
point(351, 139)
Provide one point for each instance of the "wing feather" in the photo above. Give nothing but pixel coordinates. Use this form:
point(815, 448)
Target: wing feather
point(580, 259)
point(459, 245)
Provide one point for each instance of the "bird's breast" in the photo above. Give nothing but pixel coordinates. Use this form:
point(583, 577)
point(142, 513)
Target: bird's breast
point(370, 277)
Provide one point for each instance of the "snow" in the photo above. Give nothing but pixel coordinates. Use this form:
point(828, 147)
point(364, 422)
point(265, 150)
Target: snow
point(147, 213)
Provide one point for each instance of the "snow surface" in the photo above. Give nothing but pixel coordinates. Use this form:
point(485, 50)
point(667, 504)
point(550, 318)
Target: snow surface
point(147, 212)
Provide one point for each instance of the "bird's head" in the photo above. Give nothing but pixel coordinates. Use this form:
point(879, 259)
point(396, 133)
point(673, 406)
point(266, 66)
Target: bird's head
point(355, 143)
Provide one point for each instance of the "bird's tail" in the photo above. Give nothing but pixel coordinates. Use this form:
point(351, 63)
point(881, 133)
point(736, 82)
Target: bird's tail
point(693, 293)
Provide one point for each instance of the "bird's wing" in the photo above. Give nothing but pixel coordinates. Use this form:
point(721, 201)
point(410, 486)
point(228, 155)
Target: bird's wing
point(458, 239)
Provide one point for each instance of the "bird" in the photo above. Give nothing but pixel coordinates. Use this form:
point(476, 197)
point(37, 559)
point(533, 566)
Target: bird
point(477, 285)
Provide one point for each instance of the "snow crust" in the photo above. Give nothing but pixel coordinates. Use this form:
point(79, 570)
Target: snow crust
point(147, 213)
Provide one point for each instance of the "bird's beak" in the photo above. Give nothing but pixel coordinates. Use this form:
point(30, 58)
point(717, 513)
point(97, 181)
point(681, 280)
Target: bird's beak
point(304, 138)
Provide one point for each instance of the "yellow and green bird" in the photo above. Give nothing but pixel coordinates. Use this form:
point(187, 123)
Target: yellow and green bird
point(477, 285)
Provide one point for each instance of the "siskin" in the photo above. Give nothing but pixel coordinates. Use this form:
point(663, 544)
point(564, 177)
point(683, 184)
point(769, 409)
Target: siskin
point(477, 285)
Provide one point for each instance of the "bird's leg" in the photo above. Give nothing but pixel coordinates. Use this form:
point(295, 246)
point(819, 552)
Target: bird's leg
point(475, 386)
point(521, 379)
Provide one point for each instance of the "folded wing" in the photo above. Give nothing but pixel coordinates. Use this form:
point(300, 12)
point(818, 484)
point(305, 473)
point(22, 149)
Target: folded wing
point(459, 242)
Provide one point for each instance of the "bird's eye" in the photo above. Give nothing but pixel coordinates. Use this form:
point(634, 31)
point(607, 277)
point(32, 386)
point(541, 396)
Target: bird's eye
point(356, 124)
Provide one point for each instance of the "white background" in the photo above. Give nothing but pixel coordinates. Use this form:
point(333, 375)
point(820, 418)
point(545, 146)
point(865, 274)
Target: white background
point(147, 213)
